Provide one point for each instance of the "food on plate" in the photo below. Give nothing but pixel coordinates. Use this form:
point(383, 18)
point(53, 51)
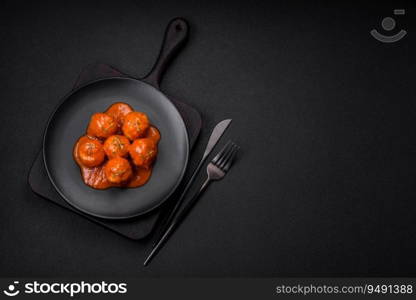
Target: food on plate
point(153, 133)
point(101, 126)
point(135, 125)
point(143, 152)
point(90, 151)
point(116, 145)
point(118, 111)
point(118, 170)
point(118, 150)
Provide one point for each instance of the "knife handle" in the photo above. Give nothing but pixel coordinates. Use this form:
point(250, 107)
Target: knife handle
point(166, 222)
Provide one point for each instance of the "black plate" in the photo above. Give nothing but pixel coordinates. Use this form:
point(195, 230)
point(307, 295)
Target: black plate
point(71, 118)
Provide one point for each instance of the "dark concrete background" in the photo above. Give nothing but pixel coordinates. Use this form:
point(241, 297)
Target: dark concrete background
point(325, 116)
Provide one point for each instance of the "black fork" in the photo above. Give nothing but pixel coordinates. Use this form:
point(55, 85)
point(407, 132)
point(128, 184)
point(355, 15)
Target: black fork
point(216, 170)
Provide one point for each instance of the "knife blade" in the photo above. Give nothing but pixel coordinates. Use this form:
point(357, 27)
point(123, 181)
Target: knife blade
point(215, 136)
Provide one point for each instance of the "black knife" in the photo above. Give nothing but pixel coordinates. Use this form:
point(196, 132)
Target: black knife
point(213, 140)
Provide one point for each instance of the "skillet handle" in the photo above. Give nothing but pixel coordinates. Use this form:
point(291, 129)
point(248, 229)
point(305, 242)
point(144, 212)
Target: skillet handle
point(176, 35)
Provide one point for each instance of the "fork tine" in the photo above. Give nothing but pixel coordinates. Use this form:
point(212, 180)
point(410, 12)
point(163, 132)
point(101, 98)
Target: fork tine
point(215, 159)
point(230, 159)
point(225, 154)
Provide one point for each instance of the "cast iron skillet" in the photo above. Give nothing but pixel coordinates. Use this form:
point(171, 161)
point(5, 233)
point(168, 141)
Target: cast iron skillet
point(69, 122)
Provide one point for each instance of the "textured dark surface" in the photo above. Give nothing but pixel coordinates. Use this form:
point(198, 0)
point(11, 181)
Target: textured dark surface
point(136, 228)
point(324, 114)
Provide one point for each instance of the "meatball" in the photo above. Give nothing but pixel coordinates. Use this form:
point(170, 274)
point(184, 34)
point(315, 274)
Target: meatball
point(101, 126)
point(90, 152)
point(143, 152)
point(116, 145)
point(135, 125)
point(118, 170)
point(153, 133)
point(118, 111)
